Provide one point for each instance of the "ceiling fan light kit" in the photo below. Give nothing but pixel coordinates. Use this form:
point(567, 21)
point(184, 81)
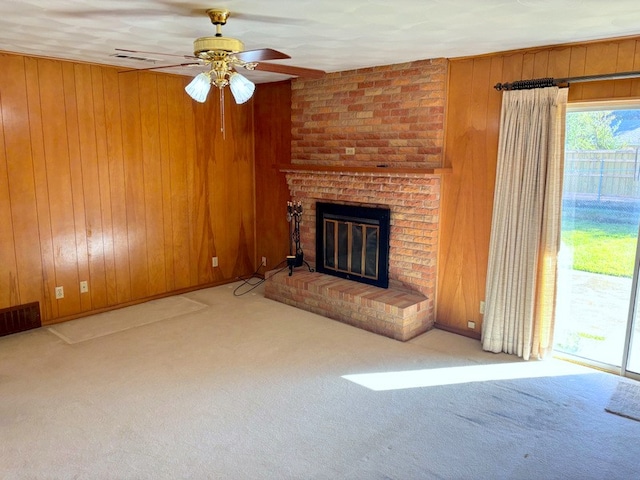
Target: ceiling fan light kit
point(241, 87)
point(199, 87)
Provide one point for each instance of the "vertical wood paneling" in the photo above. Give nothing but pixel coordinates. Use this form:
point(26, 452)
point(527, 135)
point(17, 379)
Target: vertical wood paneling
point(635, 83)
point(165, 175)
point(88, 166)
point(25, 281)
point(115, 149)
point(102, 158)
point(625, 60)
point(470, 149)
point(240, 244)
point(134, 184)
point(459, 289)
point(72, 292)
point(272, 119)
point(600, 58)
point(191, 158)
point(107, 178)
point(8, 267)
point(203, 243)
point(476, 174)
point(577, 64)
point(153, 188)
point(559, 60)
point(48, 304)
point(528, 63)
point(179, 159)
point(61, 201)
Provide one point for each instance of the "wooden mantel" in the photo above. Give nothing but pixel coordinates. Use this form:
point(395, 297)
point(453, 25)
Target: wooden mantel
point(365, 170)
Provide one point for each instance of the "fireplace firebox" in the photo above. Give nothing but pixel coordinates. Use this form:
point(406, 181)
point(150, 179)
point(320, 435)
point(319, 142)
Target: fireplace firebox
point(352, 242)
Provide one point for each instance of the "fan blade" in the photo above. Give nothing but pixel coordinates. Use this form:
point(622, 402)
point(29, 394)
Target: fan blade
point(159, 67)
point(289, 70)
point(175, 7)
point(200, 9)
point(110, 12)
point(260, 55)
point(270, 19)
point(154, 53)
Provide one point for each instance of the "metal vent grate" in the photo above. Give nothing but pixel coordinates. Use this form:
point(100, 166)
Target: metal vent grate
point(20, 318)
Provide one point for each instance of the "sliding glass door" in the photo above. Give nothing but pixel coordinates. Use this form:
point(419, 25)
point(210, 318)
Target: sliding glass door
point(596, 301)
point(631, 357)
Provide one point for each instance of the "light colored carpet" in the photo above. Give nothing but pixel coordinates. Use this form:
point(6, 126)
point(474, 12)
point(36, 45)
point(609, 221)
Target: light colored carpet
point(625, 401)
point(108, 323)
point(248, 388)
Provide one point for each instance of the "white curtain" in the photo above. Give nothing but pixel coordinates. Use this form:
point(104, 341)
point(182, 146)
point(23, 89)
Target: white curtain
point(525, 229)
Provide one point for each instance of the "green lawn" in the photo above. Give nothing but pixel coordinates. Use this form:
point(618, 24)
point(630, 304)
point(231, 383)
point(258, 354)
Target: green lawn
point(606, 248)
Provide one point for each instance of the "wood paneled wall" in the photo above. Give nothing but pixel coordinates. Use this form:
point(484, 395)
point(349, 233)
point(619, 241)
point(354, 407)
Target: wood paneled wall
point(120, 180)
point(273, 153)
point(471, 143)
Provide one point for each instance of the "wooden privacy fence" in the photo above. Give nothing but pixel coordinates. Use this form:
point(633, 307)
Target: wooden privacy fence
point(602, 174)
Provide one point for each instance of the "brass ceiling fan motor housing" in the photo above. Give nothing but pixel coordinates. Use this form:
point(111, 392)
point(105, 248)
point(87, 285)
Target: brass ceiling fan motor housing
point(205, 47)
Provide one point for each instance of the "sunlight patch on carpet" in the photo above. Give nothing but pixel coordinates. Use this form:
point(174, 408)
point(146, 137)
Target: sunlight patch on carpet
point(475, 373)
point(625, 401)
point(101, 324)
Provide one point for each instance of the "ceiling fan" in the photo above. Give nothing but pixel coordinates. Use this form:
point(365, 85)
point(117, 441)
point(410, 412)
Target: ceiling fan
point(224, 56)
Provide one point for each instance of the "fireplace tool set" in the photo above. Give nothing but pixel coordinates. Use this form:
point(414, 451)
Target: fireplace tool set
point(296, 255)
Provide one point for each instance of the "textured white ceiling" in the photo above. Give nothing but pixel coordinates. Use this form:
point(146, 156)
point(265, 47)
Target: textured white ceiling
point(330, 35)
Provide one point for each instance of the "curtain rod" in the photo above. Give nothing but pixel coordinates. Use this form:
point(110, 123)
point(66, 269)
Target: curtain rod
point(556, 82)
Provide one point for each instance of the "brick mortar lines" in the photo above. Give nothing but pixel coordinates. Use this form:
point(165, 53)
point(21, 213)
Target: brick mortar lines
point(376, 104)
point(414, 237)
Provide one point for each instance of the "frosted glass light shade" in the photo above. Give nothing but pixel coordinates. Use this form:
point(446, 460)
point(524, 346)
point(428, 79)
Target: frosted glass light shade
point(199, 87)
point(241, 87)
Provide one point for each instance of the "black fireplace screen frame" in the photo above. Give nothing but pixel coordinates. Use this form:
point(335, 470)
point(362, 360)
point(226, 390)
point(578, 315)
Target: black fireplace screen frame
point(380, 220)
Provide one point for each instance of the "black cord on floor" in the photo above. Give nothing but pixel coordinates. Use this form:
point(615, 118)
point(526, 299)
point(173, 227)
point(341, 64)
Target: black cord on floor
point(247, 281)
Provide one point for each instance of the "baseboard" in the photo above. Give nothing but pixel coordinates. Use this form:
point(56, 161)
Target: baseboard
point(460, 331)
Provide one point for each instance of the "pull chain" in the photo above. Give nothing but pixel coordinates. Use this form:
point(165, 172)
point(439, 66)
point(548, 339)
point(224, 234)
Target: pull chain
point(224, 137)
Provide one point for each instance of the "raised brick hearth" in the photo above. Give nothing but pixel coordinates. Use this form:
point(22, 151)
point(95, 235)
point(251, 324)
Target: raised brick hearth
point(395, 313)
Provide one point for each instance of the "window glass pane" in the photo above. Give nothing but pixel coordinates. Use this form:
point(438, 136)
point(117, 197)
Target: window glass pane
point(600, 215)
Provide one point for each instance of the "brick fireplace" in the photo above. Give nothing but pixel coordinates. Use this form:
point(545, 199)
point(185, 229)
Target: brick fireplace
point(414, 201)
point(371, 137)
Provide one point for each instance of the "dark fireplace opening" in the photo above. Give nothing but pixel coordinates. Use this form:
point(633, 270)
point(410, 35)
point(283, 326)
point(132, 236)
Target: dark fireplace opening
point(352, 242)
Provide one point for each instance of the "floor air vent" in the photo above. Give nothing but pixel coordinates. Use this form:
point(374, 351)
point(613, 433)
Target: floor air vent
point(20, 318)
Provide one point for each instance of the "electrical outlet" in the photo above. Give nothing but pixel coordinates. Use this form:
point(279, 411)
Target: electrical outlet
point(214, 261)
point(350, 151)
point(264, 261)
point(471, 324)
point(481, 307)
point(59, 293)
point(84, 286)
